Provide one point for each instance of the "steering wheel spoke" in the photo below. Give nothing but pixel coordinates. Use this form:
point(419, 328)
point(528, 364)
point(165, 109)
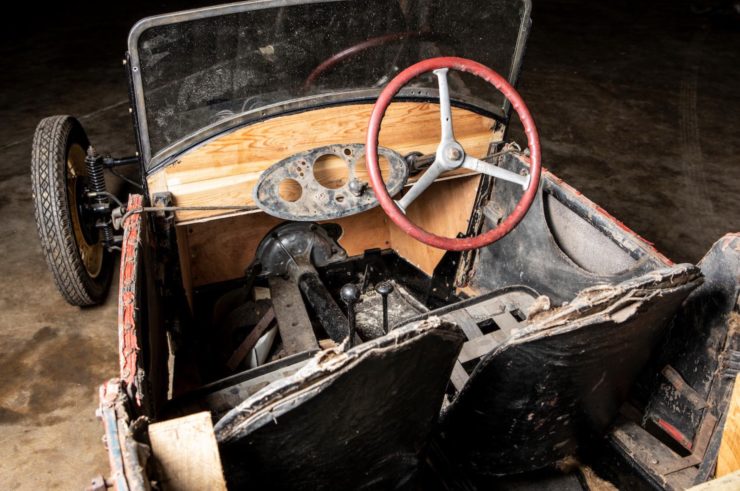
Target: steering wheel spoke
point(471, 163)
point(426, 180)
point(451, 155)
point(445, 113)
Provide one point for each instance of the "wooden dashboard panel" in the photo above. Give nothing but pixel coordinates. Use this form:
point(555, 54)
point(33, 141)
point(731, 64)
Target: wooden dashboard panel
point(224, 170)
point(218, 250)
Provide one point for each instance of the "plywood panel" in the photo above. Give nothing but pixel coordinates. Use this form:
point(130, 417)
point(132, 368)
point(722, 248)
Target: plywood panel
point(367, 230)
point(187, 453)
point(443, 209)
point(728, 460)
point(223, 171)
point(221, 249)
point(730, 482)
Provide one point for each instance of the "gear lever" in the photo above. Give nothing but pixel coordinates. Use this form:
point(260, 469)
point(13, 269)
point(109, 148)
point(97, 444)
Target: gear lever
point(350, 294)
point(384, 289)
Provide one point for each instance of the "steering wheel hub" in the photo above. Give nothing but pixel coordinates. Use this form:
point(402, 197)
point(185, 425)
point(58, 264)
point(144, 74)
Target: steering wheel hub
point(450, 155)
point(454, 154)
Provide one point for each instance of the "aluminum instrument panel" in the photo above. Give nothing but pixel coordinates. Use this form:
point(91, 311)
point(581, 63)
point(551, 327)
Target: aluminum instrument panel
point(299, 188)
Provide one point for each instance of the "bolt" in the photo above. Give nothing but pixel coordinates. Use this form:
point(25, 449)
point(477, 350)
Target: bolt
point(453, 153)
point(356, 187)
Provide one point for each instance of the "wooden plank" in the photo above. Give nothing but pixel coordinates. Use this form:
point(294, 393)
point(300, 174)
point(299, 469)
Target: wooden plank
point(443, 209)
point(487, 309)
point(684, 388)
point(158, 181)
point(506, 322)
point(465, 322)
point(224, 170)
point(728, 482)
point(728, 459)
point(187, 453)
point(481, 346)
point(251, 340)
point(701, 441)
point(459, 376)
point(648, 452)
point(221, 249)
point(294, 324)
point(364, 231)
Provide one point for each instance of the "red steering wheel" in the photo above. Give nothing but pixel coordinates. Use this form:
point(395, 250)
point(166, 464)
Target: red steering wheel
point(450, 154)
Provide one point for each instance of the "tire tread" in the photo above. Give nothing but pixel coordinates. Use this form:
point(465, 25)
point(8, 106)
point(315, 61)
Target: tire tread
point(52, 215)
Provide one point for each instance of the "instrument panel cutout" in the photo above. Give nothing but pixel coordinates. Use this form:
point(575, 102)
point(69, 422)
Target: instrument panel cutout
point(325, 183)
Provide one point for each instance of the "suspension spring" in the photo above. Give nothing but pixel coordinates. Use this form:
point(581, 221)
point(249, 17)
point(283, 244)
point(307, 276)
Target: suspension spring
point(100, 203)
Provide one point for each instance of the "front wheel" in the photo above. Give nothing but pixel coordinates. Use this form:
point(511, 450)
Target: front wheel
point(81, 265)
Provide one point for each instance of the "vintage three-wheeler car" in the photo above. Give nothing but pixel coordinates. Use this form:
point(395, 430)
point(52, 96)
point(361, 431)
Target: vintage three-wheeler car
point(340, 274)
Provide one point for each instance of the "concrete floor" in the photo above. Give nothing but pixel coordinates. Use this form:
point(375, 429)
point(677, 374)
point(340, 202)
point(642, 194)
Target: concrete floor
point(636, 106)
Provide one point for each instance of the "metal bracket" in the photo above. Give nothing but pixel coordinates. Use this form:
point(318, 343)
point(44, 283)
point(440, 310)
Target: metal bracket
point(311, 201)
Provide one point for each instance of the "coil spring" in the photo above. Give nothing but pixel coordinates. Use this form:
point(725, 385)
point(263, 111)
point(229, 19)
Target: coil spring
point(95, 176)
point(96, 180)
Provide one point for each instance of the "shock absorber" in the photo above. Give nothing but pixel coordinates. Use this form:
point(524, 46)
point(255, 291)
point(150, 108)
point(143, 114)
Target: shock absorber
point(100, 203)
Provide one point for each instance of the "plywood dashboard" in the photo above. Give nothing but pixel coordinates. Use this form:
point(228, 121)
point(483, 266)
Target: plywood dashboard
point(218, 250)
point(218, 245)
point(224, 170)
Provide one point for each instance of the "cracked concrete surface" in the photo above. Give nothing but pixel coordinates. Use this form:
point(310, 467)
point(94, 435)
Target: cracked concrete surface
point(636, 107)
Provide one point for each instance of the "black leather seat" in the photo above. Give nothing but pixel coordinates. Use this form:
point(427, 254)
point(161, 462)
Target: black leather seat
point(533, 400)
point(348, 420)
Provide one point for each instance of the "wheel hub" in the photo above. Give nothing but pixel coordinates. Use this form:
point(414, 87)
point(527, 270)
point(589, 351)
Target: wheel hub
point(83, 224)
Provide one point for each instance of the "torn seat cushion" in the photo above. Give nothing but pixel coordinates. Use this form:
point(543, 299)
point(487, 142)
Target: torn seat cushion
point(348, 420)
point(531, 401)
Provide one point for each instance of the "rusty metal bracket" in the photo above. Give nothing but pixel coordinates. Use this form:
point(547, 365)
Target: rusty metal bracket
point(701, 441)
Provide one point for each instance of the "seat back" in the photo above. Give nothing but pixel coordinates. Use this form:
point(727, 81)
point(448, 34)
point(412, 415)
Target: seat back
point(563, 377)
point(357, 419)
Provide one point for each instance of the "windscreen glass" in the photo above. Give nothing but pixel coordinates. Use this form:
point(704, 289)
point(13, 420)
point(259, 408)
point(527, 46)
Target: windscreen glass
point(198, 70)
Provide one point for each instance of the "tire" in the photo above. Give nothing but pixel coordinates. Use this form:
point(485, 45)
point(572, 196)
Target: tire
point(81, 265)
